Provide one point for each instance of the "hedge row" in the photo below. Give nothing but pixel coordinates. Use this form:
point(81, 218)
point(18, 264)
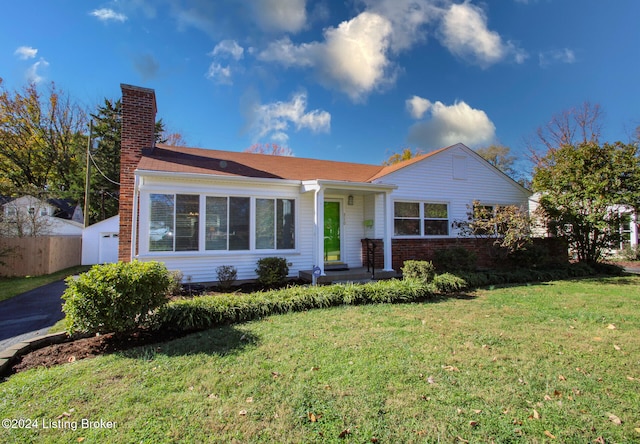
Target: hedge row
point(207, 311)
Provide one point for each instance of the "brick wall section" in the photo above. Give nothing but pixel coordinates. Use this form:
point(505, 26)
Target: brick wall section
point(138, 133)
point(424, 249)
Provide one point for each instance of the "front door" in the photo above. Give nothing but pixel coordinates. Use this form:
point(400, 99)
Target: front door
point(332, 224)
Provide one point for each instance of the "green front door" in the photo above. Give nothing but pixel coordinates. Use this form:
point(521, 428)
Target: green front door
point(332, 231)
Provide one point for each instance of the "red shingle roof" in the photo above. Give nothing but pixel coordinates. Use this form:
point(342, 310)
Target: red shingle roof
point(230, 163)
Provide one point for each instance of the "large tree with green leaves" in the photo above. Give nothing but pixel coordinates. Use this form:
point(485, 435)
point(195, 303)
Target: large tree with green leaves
point(580, 188)
point(500, 157)
point(42, 139)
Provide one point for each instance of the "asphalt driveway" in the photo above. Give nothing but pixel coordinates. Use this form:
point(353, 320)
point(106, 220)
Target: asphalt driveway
point(30, 314)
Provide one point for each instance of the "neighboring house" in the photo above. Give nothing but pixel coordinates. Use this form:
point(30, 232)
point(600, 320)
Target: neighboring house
point(100, 242)
point(28, 216)
point(196, 209)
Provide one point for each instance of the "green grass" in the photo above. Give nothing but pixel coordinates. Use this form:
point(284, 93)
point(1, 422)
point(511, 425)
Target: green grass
point(514, 364)
point(10, 287)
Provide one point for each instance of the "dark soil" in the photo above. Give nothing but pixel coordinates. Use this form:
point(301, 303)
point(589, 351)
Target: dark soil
point(88, 348)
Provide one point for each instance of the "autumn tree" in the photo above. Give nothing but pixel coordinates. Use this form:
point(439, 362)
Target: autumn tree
point(500, 157)
point(269, 148)
point(581, 186)
point(405, 154)
point(42, 140)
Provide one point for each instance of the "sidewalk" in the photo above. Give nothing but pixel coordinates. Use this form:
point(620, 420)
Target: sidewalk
point(30, 314)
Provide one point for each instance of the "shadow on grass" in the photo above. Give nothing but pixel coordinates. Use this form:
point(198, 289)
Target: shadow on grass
point(222, 341)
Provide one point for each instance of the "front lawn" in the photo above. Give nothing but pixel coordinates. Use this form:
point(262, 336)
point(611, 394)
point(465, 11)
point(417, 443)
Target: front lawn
point(553, 362)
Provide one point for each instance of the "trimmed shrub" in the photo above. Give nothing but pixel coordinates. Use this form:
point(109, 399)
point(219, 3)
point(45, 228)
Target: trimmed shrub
point(423, 270)
point(227, 275)
point(116, 297)
point(272, 271)
point(455, 259)
point(449, 283)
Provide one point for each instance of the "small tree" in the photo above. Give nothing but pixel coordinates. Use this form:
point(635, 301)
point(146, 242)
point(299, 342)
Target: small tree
point(509, 226)
point(406, 154)
point(581, 187)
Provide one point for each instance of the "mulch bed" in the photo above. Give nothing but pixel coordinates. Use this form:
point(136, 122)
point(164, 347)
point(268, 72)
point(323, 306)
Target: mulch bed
point(88, 348)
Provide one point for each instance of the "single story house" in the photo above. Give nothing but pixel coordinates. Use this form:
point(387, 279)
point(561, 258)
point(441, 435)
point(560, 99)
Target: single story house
point(196, 209)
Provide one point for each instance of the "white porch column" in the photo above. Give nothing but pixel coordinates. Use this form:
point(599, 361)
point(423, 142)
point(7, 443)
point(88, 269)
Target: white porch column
point(318, 253)
point(388, 231)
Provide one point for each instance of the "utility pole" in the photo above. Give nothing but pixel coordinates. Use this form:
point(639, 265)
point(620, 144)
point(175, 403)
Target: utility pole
point(87, 181)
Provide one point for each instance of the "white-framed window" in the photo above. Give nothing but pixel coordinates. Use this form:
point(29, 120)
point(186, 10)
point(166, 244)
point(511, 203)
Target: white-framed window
point(175, 219)
point(420, 218)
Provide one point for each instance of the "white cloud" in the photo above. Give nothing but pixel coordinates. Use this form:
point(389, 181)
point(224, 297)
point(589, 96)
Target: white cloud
point(352, 58)
point(219, 74)
point(228, 47)
point(464, 32)
point(273, 120)
point(417, 106)
point(448, 125)
point(33, 73)
point(280, 15)
point(408, 19)
point(565, 55)
point(106, 15)
point(25, 52)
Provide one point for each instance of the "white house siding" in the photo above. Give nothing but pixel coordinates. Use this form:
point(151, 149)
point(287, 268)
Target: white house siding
point(433, 180)
point(200, 266)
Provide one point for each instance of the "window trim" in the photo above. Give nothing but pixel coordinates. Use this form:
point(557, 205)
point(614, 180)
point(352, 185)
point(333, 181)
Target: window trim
point(145, 221)
point(422, 218)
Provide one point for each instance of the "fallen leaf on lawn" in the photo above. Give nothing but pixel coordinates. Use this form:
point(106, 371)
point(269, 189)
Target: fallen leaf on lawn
point(549, 434)
point(477, 411)
point(313, 369)
point(597, 338)
point(242, 413)
point(461, 439)
point(631, 378)
point(473, 423)
point(611, 327)
point(373, 439)
point(616, 347)
point(536, 415)
point(80, 439)
point(344, 433)
point(599, 440)
point(459, 411)
point(213, 396)
point(451, 368)
point(312, 417)
point(547, 398)
point(249, 399)
point(430, 380)
point(614, 419)
point(561, 378)
point(191, 388)
point(64, 414)
point(71, 359)
point(557, 394)
point(637, 429)
point(275, 374)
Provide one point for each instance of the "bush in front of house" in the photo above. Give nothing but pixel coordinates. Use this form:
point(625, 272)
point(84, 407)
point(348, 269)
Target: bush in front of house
point(455, 259)
point(227, 275)
point(423, 270)
point(207, 311)
point(272, 271)
point(118, 297)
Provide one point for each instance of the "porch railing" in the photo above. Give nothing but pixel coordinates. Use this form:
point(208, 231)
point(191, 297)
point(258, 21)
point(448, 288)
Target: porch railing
point(371, 256)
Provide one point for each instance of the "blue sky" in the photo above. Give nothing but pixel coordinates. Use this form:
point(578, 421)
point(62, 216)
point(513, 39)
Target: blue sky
point(352, 80)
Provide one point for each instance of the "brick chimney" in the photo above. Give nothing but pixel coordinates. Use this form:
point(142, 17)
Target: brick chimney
point(138, 133)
